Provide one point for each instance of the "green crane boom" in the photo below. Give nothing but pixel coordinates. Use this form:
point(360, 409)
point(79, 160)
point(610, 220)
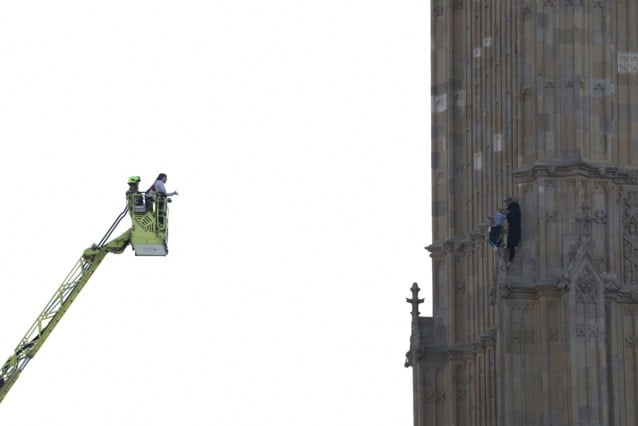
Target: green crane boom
point(148, 236)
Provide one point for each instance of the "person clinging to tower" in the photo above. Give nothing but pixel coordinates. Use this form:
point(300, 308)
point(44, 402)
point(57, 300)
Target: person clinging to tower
point(514, 228)
point(496, 229)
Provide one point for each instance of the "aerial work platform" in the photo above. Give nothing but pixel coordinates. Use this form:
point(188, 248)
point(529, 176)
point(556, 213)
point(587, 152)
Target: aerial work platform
point(148, 236)
point(150, 223)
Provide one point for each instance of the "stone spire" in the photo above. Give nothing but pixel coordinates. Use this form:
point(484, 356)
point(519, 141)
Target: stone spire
point(414, 354)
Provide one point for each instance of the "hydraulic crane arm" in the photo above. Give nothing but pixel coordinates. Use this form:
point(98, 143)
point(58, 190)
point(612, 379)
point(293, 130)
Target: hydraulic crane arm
point(58, 305)
point(148, 236)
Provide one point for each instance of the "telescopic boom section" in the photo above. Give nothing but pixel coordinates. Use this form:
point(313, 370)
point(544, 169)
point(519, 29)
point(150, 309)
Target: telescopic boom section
point(56, 308)
point(148, 236)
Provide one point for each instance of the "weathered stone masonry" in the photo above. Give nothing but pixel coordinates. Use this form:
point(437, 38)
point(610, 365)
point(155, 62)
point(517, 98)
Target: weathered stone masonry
point(535, 99)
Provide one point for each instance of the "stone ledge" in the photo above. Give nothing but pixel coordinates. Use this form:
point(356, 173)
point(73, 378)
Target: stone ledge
point(577, 167)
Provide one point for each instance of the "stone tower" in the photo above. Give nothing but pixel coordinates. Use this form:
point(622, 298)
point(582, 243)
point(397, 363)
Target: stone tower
point(538, 100)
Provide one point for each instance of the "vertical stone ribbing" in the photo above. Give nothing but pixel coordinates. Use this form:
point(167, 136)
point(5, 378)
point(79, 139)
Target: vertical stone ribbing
point(441, 53)
point(624, 28)
point(536, 99)
point(589, 396)
point(626, 58)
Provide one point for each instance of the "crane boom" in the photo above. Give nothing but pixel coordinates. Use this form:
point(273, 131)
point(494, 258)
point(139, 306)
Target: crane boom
point(148, 236)
point(56, 308)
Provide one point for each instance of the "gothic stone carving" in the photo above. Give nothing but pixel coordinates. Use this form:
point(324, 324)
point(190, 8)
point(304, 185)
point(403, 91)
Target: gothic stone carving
point(587, 289)
point(630, 237)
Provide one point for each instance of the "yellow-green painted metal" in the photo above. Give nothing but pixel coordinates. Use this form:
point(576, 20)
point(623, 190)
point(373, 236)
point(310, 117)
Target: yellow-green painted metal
point(148, 236)
point(150, 223)
point(56, 308)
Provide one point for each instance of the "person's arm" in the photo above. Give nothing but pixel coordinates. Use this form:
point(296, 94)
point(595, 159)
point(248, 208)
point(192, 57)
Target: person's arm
point(161, 188)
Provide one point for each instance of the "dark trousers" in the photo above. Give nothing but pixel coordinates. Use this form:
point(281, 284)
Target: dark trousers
point(495, 235)
point(513, 238)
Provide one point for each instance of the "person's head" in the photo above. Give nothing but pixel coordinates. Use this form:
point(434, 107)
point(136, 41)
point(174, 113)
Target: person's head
point(162, 177)
point(133, 181)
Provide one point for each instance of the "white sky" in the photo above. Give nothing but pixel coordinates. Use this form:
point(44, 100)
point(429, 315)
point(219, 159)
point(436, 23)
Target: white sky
point(297, 133)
